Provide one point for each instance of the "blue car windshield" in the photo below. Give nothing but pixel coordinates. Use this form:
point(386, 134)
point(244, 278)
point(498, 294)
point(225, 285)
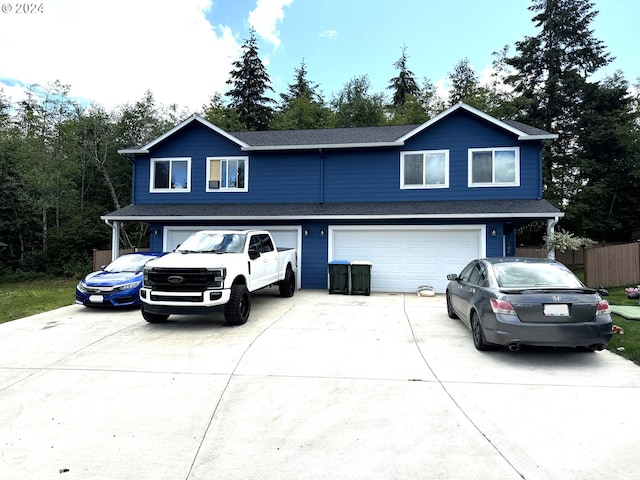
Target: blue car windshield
point(213, 242)
point(535, 275)
point(129, 263)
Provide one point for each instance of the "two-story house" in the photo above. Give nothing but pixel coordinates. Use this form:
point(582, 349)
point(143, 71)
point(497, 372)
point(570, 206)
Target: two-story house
point(419, 201)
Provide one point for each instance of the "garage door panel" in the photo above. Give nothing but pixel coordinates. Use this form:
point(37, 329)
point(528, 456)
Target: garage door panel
point(406, 257)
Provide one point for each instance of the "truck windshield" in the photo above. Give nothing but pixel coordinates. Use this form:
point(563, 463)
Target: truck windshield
point(213, 242)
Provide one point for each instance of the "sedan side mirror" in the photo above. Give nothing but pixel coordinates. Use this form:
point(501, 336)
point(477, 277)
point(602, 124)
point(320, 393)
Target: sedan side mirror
point(452, 277)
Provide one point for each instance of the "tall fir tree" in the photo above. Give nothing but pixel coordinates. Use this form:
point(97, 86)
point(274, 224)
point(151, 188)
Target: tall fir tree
point(405, 83)
point(302, 107)
point(551, 71)
point(249, 83)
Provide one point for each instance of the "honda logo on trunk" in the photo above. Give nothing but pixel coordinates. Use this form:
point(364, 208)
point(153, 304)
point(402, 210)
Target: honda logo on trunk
point(175, 279)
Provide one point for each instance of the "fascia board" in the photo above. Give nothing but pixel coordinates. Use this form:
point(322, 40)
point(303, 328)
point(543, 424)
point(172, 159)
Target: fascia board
point(498, 123)
point(441, 216)
point(193, 118)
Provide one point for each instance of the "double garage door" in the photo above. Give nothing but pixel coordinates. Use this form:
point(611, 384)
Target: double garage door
point(406, 257)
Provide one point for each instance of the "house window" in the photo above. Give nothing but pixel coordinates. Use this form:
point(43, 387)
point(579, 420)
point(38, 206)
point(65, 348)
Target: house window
point(494, 167)
point(227, 174)
point(170, 174)
point(426, 169)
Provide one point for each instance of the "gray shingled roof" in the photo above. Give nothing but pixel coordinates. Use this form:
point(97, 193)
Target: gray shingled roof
point(361, 210)
point(325, 136)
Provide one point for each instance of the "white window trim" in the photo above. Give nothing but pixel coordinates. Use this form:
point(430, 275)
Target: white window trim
point(152, 172)
point(493, 170)
point(228, 190)
point(424, 185)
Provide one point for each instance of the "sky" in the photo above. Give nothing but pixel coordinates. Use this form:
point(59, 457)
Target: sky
point(110, 52)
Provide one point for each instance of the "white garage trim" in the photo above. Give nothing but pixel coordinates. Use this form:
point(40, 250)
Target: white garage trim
point(287, 236)
point(407, 256)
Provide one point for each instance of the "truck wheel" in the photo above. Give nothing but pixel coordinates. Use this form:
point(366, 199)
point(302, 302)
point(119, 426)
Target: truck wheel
point(236, 312)
point(288, 285)
point(153, 317)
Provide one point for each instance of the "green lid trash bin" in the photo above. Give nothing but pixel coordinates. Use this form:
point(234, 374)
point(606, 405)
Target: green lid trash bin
point(339, 276)
point(361, 277)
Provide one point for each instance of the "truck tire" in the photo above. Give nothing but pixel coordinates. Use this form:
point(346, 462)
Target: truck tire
point(288, 285)
point(153, 317)
point(236, 312)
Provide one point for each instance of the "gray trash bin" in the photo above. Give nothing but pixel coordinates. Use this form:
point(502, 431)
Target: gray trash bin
point(361, 277)
point(339, 276)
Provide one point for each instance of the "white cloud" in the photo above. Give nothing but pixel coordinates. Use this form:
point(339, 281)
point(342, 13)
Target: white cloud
point(112, 52)
point(329, 34)
point(265, 17)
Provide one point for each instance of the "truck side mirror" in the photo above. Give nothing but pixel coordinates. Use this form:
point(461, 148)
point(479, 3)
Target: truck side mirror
point(253, 253)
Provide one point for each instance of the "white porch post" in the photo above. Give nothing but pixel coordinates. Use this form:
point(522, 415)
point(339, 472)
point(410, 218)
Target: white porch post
point(115, 238)
point(551, 223)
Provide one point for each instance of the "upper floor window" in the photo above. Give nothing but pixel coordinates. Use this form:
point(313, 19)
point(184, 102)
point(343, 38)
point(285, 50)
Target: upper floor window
point(426, 169)
point(227, 173)
point(494, 167)
point(170, 174)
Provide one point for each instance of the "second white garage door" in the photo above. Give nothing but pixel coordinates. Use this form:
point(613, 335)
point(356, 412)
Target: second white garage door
point(406, 257)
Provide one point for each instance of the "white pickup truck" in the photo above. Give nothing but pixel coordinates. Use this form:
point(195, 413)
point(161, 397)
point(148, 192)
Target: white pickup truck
point(215, 269)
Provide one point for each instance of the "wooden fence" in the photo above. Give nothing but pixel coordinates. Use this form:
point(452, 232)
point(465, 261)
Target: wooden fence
point(573, 259)
point(606, 265)
point(612, 265)
point(103, 257)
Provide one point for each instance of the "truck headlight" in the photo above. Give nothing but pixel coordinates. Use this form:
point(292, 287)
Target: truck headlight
point(217, 277)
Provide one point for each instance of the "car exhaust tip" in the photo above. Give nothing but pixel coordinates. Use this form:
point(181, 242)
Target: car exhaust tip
point(513, 347)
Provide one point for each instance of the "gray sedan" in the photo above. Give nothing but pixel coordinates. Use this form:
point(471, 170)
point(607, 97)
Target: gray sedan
point(513, 301)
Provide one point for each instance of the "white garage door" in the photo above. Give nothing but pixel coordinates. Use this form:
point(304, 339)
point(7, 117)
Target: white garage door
point(284, 236)
point(406, 257)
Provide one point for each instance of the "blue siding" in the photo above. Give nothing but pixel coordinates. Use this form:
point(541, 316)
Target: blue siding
point(343, 175)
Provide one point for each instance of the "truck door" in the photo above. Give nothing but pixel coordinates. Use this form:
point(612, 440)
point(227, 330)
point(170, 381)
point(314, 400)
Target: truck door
point(264, 267)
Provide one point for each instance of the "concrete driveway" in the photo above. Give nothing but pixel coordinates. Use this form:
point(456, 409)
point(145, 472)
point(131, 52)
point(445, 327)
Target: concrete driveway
point(317, 386)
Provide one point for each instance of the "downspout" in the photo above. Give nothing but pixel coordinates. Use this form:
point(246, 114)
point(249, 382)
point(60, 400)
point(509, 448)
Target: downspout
point(551, 223)
point(115, 238)
point(321, 176)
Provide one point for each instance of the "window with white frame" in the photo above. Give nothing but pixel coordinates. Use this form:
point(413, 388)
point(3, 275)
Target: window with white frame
point(227, 174)
point(424, 169)
point(494, 167)
point(170, 175)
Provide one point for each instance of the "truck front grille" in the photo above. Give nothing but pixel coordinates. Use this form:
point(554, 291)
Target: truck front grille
point(183, 279)
point(172, 298)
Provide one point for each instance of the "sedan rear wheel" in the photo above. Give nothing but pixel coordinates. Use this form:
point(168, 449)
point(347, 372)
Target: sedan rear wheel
point(478, 333)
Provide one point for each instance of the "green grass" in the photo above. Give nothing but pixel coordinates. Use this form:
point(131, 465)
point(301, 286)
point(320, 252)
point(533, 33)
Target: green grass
point(22, 299)
point(630, 341)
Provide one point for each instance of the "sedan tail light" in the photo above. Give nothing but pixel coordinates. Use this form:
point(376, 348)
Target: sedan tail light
point(603, 308)
point(502, 306)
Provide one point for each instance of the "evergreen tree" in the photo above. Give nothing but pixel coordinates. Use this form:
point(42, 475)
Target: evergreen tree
point(551, 72)
point(250, 81)
point(605, 207)
point(221, 115)
point(302, 106)
point(355, 107)
point(466, 87)
point(405, 83)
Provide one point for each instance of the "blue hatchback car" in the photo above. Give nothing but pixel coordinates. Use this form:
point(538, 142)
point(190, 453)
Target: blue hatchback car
point(117, 284)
